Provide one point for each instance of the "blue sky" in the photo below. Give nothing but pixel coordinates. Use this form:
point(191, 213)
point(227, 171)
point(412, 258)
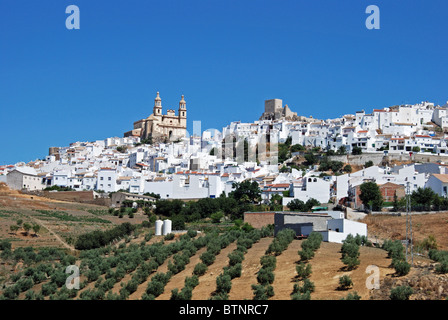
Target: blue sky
point(59, 86)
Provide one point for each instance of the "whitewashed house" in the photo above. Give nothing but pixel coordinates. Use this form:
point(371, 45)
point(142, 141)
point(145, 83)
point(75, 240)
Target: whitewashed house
point(439, 184)
point(107, 180)
point(24, 178)
point(308, 188)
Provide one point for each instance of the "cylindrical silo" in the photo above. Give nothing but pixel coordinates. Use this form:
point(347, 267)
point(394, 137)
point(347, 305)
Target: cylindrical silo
point(166, 227)
point(159, 224)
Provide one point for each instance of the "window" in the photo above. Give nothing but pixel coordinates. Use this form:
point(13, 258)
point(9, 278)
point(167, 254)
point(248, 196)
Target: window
point(101, 178)
point(109, 178)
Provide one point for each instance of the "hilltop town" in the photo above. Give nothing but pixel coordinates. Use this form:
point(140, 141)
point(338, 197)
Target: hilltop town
point(392, 146)
point(252, 188)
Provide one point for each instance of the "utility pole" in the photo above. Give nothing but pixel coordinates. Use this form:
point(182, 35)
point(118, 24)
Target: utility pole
point(409, 246)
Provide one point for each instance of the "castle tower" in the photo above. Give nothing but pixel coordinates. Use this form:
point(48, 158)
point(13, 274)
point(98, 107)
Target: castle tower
point(157, 111)
point(182, 112)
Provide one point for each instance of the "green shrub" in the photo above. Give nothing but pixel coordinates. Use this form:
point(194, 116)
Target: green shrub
point(307, 286)
point(234, 271)
point(352, 296)
point(268, 262)
point(345, 282)
point(169, 236)
point(220, 296)
point(155, 288)
point(200, 269)
point(301, 296)
point(402, 267)
point(395, 249)
point(49, 288)
point(265, 276)
point(11, 292)
point(303, 270)
point(207, 258)
point(192, 233)
point(25, 284)
point(306, 254)
point(97, 238)
point(281, 241)
point(235, 257)
point(350, 262)
point(442, 267)
point(223, 283)
point(192, 281)
point(185, 294)
point(30, 295)
point(262, 292)
point(350, 249)
point(401, 293)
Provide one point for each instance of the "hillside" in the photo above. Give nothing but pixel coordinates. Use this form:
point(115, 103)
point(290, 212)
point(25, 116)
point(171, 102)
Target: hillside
point(60, 221)
point(326, 264)
point(423, 225)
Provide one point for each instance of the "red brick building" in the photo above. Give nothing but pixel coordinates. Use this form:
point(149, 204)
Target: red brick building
point(388, 191)
point(259, 219)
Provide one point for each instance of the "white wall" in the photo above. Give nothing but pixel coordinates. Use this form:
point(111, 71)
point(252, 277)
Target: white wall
point(437, 186)
point(316, 188)
point(107, 180)
point(17, 180)
point(345, 227)
point(163, 188)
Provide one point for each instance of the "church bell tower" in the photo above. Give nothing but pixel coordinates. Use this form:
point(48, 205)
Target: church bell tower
point(182, 112)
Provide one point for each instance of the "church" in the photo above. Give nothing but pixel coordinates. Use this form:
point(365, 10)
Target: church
point(162, 127)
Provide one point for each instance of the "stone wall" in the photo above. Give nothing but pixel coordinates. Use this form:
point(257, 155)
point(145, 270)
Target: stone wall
point(90, 197)
point(377, 158)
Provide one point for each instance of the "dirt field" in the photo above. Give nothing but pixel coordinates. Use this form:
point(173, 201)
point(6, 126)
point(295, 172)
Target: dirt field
point(241, 287)
point(207, 282)
point(326, 264)
point(54, 232)
point(423, 225)
point(326, 270)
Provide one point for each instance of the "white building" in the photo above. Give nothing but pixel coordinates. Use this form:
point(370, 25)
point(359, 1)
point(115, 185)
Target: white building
point(24, 178)
point(439, 184)
point(107, 180)
point(338, 230)
point(308, 188)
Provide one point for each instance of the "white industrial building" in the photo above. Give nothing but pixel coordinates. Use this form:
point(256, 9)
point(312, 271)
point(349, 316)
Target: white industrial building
point(339, 229)
point(330, 224)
